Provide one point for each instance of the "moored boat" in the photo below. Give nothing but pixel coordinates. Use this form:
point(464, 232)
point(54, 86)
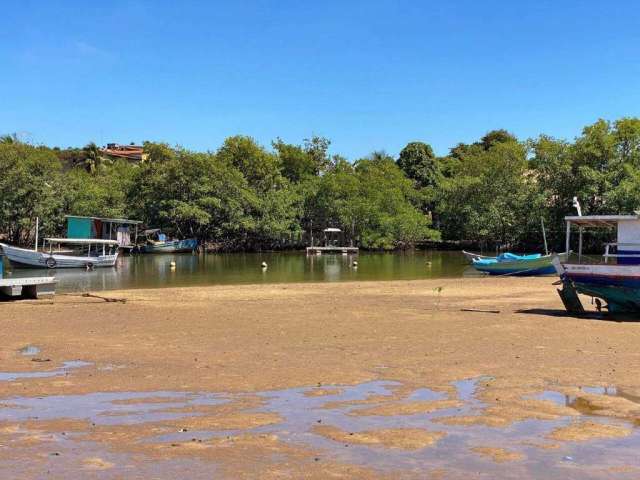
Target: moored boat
point(170, 246)
point(519, 265)
point(65, 253)
point(157, 242)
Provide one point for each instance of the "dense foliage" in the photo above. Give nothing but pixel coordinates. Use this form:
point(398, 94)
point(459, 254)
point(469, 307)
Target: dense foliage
point(244, 196)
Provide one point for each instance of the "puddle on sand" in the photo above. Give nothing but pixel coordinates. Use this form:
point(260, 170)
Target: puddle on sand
point(60, 457)
point(29, 350)
point(591, 459)
point(122, 408)
point(303, 413)
point(63, 370)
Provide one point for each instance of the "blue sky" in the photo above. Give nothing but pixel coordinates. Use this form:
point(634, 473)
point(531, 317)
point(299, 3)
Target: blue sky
point(370, 75)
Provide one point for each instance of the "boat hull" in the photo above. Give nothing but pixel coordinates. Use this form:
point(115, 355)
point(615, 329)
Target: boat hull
point(531, 267)
point(175, 246)
point(617, 285)
point(23, 257)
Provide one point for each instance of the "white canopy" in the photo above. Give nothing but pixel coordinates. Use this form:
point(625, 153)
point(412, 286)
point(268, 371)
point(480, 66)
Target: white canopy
point(82, 241)
point(330, 229)
point(600, 220)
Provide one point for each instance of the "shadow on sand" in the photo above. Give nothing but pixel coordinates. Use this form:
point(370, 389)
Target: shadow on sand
point(610, 317)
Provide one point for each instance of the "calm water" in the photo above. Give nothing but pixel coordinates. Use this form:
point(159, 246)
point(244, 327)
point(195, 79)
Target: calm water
point(151, 271)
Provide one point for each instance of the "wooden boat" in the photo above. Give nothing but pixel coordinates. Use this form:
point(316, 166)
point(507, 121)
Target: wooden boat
point(157, 242)
point(616, 277)
point(518, 265)
point(170, 246)
point(77, 253)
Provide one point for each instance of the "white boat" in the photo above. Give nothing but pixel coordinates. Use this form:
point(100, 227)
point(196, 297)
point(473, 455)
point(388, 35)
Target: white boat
point(615, 277)
point(65, 253)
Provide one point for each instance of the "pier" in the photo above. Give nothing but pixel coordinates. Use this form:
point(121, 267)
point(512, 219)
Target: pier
point(30, 287)
point(332, 249)
point(332, 238)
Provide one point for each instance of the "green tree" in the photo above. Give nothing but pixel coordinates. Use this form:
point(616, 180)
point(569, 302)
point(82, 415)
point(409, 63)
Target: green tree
point(92, 157)
point(9, 138)
point(31, 186)
point(259, 167)
point(495, 137)
point(296, 163)
point(490, 198)
point(103, 193)
point(419, 163)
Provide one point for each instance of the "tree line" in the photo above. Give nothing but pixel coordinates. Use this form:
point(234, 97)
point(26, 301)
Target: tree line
point(244, 196)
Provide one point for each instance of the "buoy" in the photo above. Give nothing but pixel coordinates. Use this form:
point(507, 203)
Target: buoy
point(428, 264)
point(355, 263)
point(172, 265)
point(264, 265)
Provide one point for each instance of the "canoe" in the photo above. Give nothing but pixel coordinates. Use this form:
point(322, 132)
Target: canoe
point(171, 246)
point(525, 265)
point(43, 259)
point(500, 258)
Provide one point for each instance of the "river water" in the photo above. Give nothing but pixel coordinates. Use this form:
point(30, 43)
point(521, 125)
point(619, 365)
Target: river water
point(153, 271)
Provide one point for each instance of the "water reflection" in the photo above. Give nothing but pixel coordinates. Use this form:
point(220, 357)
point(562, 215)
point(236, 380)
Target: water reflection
point(150, 271)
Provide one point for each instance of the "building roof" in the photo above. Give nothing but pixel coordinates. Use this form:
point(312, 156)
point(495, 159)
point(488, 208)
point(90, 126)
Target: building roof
point(132, 152)
point(108, 220)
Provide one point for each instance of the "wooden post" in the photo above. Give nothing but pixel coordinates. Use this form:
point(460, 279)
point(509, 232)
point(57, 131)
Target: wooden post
point(37, 229)
point(580, 245)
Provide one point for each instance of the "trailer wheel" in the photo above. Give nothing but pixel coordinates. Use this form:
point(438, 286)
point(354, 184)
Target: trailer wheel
point(51, 262)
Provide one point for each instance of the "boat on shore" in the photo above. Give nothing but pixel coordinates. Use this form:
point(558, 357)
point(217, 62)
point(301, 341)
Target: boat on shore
point(518, 265)
point(614, 277)
point(471, 256)
point(65, 253)
point(157, 242)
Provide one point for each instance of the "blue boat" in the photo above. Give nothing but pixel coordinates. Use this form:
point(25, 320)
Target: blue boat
point(517, 265)
point(615, 277)
point(157, 242)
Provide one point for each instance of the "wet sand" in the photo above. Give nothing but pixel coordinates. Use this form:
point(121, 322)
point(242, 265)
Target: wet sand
point(237, 343)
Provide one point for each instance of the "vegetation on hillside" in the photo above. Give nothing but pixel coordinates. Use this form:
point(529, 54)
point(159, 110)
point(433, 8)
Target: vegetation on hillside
point(246, 196)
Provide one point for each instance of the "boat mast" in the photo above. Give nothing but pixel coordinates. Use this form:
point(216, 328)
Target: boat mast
point(544, 237)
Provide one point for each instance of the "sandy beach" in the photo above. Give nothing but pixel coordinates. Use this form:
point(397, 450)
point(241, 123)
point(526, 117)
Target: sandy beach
point(334, 380)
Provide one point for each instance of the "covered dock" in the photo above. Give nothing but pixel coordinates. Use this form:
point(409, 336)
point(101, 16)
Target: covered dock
point(332, 240)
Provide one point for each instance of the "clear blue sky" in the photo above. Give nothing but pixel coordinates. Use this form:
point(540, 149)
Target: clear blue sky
point(370, 75)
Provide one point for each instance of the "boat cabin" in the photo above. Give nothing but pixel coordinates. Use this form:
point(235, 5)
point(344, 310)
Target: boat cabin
point(624, 251)
point(122, 230)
